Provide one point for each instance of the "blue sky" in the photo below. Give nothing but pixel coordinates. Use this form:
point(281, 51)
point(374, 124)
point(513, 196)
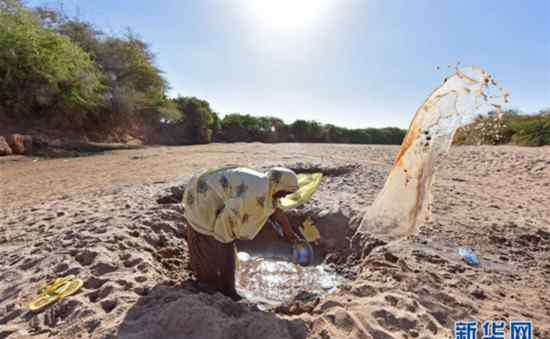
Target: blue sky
point(354, 63)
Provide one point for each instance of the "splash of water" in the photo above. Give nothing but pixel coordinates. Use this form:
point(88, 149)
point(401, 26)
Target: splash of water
point(405, 201)
point(271, 282)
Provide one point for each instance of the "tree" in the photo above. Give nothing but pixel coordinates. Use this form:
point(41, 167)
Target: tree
point(307, 131)
point(198, 117)
point(43, 75)
point(135, 87)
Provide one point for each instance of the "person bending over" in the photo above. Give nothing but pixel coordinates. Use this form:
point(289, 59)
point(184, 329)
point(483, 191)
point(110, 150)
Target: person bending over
point(228, 204)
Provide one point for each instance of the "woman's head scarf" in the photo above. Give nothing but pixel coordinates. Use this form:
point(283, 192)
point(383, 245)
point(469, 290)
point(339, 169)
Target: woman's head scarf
point(282, 179)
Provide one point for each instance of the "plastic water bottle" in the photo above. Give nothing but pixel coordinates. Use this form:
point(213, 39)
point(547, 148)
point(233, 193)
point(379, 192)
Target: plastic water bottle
point(302, 253)
point(468, 255)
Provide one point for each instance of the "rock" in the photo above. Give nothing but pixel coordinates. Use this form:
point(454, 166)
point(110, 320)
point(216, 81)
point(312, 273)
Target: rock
point(20, 144)
point(5, 148)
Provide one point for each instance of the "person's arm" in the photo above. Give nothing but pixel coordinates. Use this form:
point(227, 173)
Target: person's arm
point(280, 217)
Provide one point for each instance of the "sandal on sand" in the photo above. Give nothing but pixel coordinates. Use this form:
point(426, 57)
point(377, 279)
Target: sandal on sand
point(56, 290)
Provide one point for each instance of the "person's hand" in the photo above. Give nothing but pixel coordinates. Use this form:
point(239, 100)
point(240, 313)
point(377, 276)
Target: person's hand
point(280, 217)
point(291, 237)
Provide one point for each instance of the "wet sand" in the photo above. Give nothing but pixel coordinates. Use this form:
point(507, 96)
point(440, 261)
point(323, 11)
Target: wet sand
point(112, 220)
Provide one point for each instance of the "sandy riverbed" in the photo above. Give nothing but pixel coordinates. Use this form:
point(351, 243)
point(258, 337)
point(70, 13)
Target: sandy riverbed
point(110, 220)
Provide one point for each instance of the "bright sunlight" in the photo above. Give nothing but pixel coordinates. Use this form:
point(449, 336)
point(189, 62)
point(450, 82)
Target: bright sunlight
point(287, 15)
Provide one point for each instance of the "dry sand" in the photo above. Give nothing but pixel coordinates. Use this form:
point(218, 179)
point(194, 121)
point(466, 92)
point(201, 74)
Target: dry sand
point(112, 220)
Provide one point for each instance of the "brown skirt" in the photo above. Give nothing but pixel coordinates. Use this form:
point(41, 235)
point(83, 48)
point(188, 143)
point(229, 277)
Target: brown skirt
point(213, 262)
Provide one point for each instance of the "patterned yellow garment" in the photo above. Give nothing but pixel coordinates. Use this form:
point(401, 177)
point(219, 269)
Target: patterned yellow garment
point(234, 202)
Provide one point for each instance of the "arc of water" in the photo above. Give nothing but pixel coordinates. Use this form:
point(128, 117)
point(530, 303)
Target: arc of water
point(405, 200)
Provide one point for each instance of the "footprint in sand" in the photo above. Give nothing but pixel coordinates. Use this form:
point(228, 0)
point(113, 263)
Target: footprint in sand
point(100, 294)
point(100, 230)
point(60, 267)
point(94, 283)
point(127, 285)
point(131, 262)
point(364, 290)
point(143, 267)
point(86, 257)
point(140, 279)
point(393, 323)
point(102, 268)
point(30, 263)
point(109, 305)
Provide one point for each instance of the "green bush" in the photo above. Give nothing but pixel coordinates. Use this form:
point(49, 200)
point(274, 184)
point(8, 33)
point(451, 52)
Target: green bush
point(43, 74)
point(511, 127)
point(307, 131)
point(65, 73)
point(531, 130)
point(199, 119)
point(134, 86)
point(244, 127)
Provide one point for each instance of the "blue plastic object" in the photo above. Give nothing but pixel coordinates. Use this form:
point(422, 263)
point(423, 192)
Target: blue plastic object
point(468, 256)
point(302, 253)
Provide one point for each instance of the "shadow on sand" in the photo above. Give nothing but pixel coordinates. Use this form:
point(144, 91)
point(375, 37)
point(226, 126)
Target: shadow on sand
point(184, 311)
point(77, 149)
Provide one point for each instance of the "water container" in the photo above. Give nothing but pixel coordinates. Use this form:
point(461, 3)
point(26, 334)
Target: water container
point(468, 255)
point(302, 253)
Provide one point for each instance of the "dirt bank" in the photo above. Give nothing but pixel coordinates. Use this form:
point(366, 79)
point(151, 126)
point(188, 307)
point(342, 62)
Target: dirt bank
point(99, 217)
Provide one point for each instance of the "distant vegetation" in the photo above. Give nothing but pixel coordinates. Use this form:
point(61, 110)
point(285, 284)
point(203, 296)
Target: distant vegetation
point(65, 75)
point(512, 127)
point(243, 127)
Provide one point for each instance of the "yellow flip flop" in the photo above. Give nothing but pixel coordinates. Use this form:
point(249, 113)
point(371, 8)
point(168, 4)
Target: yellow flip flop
point(71, 287)
point(56, 290)
point(54, 285)
point(42, 301)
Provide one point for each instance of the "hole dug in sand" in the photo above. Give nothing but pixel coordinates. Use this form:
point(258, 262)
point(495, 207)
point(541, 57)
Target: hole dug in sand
point(268, 276)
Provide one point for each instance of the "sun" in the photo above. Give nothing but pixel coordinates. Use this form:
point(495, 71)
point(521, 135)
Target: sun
point(286, 15)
